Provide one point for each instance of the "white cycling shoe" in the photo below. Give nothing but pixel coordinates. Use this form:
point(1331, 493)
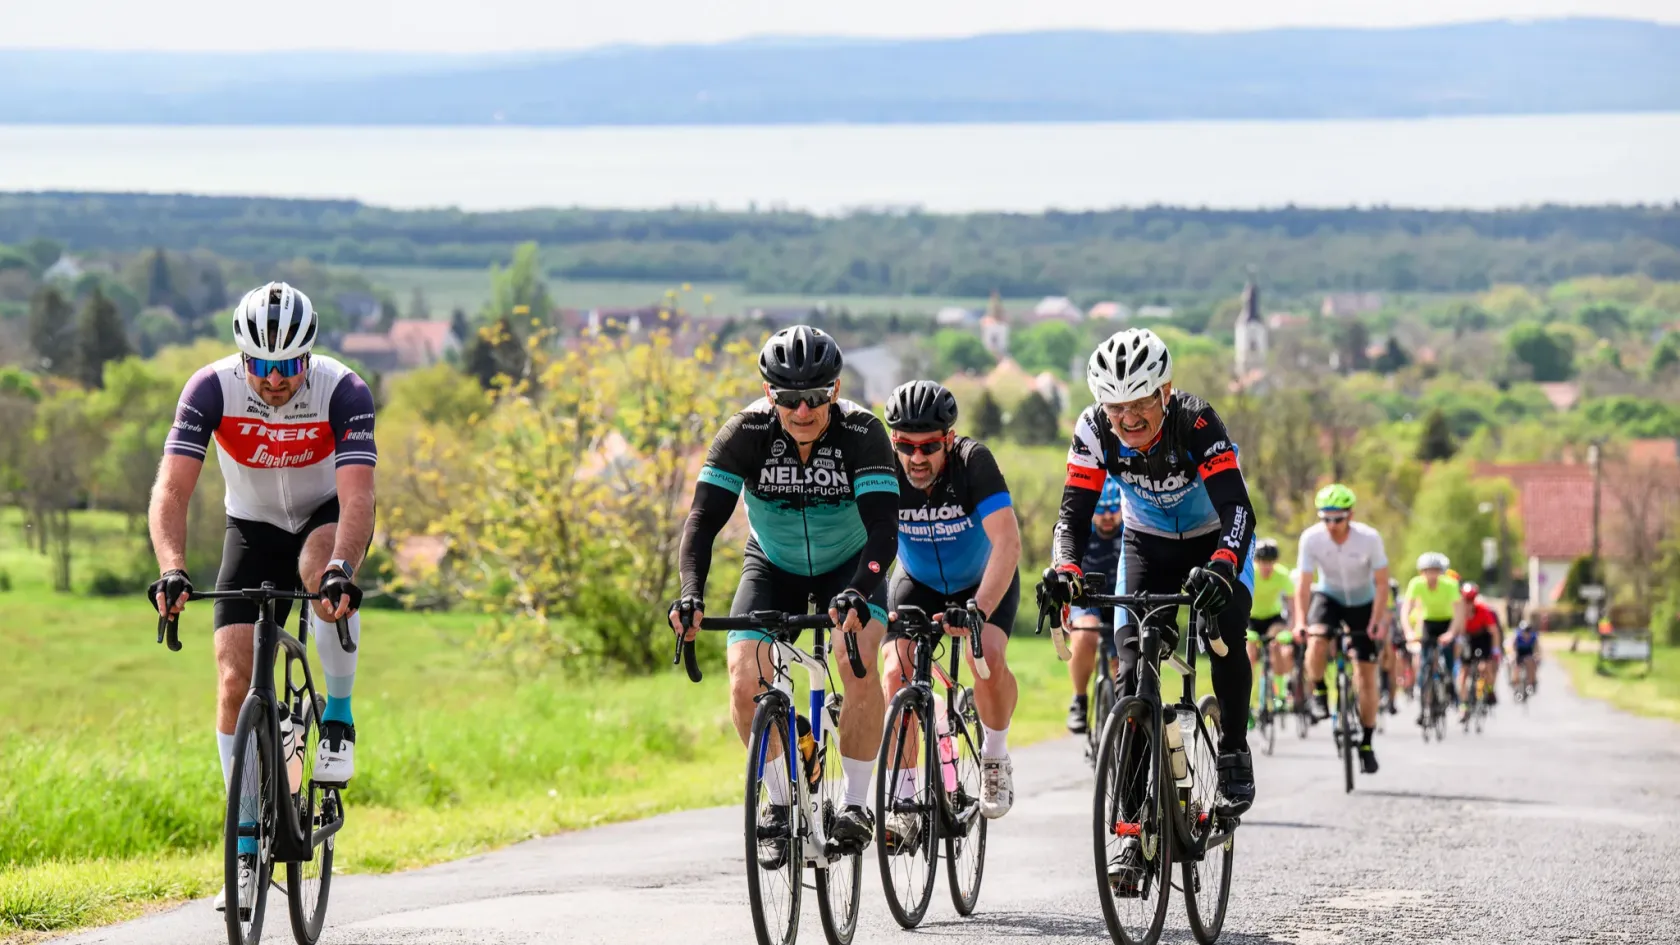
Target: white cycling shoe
point(997, 786)
point(247, 888)
point(335, 756)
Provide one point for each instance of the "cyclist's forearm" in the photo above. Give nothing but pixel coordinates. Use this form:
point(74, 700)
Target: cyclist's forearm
point(355, 514)
point(1073, 525)
point(879, 512)
point(1005, 535)
point(708, 515)
point(166, 516)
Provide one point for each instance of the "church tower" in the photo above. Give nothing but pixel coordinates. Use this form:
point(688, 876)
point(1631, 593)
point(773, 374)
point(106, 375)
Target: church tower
point(1251, 332)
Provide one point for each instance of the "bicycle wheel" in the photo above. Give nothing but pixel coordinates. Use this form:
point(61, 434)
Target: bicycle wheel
point(1345, 711)
point(775, 859)
point(1102, 700)
point(1266, 720)
point(908, 756)
point(838, 882)
point(1130, 811)
point(1426, 708)
point(308, 883)
point(250, 820)
point(1298, 687)
point(1207, 882)
point(965, 846)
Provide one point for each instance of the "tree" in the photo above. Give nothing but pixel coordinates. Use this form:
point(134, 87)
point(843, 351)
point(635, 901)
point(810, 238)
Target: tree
point(1393, 357)
point(417, 307)
point(1447, 517)
point(160, 288)
point(52, 331)
point(388, 315)
point(1046, 346)
point(1604, 319)
point(1548, 356)
point(1034, 422)
point(519, 294)
point(1352, 340)
point(63, 447)
point(43, 251)
point(99, 338)
point(959, 351)
point(1665, 357)
point(215, 293)
point(496, 351)
point(988, 418)
point(1437, 442)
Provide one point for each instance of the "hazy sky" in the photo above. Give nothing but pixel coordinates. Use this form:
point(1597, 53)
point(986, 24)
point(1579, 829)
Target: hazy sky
point(467, 25)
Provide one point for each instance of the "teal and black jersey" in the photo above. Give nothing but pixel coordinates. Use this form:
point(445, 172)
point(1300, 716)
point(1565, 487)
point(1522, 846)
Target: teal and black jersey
point(810, 517)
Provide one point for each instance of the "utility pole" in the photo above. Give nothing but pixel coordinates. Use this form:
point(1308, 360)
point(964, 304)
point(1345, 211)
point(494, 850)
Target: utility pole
point(1504, 554)
point(1595, 458)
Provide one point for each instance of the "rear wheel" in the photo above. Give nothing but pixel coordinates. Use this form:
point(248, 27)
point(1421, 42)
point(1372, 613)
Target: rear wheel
point(908, 759)
point(838, 882)
point(248, 833)
point(965, 846)
point(775, 859)
point(308, 883)
point(1207, 882)
point(1131, 827)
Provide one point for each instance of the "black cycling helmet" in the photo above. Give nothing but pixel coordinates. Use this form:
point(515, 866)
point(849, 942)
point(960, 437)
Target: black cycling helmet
point(921, 407)
point(1266, 549)
point(800, 358)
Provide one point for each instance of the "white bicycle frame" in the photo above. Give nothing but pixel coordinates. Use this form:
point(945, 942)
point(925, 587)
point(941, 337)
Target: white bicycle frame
point(816, 670)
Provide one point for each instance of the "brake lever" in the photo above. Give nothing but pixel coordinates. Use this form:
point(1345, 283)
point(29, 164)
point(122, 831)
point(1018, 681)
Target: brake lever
point(685, 647)
point(977, 630)
point(344, 639)
point(852, 656)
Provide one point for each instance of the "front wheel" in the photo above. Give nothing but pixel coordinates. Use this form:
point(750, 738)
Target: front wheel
point(1131, 826)
point(1207, 882)
point(1102, 700)
point(839, 881)
point(965, 843)
point(1346, 709)
point(906, 806)
point(248, 834)
point(1266, 718)
point(775, 856)
point(317, 808)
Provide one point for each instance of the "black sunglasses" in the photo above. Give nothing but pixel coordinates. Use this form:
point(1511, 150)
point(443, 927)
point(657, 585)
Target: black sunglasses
point(926, 449)
point(791, 399)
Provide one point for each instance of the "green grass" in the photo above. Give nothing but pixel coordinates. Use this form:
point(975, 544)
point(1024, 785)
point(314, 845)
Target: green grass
point(1628, 687)
point(111, 794)
point(469, 289)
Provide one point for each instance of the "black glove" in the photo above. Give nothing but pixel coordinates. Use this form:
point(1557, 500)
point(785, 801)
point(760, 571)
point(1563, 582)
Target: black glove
point(1065, 583)
point(1211, 585)
point(173, 585)
point(849, 600)
point(686, 607)
point(336, 584)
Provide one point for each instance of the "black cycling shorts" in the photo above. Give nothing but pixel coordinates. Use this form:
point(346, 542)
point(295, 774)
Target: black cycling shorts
point(907, 590)
point(766, 587)
point(254, 552)
point(1333, 615)
point(1478, 646)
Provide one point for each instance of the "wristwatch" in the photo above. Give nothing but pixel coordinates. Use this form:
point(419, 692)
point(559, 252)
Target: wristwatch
point(342, 565)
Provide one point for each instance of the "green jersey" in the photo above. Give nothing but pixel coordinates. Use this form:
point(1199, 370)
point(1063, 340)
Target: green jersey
point(1437, 603)
point(1271, 592)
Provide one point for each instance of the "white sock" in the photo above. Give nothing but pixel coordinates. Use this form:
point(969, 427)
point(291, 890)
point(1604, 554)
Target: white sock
point(859, 773)
point(907, 785)
point(224, 749)
point(995, 742)
point(776, 780)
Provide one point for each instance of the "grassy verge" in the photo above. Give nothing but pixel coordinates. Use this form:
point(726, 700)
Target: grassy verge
point(111, 794)
point(1628, 687)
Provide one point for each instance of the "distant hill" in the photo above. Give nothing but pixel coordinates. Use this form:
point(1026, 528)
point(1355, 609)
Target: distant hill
point(1553, 66)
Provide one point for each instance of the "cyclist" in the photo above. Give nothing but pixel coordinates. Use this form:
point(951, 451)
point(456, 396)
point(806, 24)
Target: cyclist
point(1430, 602)
point(1102, 556)
point(822, 506)
point(957, 540)
point(1525, 644)
point(1273, 586)
point(1479, 647)
point(294, 433)
point(1349, 562)
point(1188, 524)
point(1393, 651)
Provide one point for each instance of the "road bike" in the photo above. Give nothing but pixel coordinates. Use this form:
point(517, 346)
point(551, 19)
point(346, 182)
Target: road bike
point(1103, 689)
point(287, 817)
point(1435, 691)
point(1475, 711)
point(1266, 715)
point(779, 849)
point(1299, 701)
point(931, 745)
point(1156, 798)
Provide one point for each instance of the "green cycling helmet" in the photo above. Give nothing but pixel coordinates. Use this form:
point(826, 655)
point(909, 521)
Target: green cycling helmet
point(1335, 496)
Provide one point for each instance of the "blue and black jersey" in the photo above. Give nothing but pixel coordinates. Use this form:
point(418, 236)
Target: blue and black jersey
point(940, 539)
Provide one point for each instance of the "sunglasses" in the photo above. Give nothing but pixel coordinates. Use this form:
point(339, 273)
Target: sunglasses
point(791, 399)
point(1334, 519)
point(288, 367)
point(926, 449)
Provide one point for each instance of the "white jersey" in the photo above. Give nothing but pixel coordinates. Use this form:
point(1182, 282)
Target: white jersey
point(1346, 573)
point(280, 463)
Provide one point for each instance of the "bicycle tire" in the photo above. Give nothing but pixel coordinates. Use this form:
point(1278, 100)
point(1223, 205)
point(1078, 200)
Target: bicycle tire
point(965, 854)
point(250, 736)
point(1344, 722)
point(1207, 913)
point(1133, 732)
point(307, 889)
point(1298, 685)
point(839, 883)
point(1102, 700)
point(773, 926)
point(1266, 720)
point(909, 731)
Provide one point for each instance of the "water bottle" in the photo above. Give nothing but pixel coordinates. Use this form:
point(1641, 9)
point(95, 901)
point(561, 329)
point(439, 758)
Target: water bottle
point(947, 748)
point(1187, 736)
point(291, 751)
point(1174, 734)
point(808, 751)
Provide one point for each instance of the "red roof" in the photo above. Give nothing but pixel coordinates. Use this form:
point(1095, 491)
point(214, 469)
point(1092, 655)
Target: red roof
point(1556, 506)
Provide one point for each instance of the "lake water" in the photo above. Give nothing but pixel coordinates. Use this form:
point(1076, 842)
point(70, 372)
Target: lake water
point(1456, 162)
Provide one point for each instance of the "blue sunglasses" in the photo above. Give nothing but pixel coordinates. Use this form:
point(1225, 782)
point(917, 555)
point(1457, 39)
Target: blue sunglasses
point(288, 367)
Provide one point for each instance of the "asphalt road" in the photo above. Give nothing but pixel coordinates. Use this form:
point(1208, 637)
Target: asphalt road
point(1560, 824)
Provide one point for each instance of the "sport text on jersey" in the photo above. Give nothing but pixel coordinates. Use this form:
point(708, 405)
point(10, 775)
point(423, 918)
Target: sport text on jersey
point(825, 477)
point(264, 445)
point(935, 522)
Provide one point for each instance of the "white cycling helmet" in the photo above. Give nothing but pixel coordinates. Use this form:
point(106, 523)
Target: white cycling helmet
point(274, 322)
point(1131, 364)
point(1432, 560)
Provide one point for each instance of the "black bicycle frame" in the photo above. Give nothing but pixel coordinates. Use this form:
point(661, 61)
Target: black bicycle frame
point(923, 633)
